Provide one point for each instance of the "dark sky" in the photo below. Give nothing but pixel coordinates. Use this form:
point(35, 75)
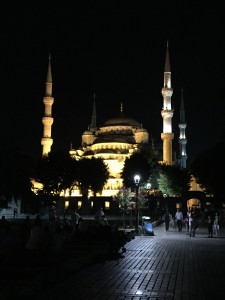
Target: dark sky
point(115, 49)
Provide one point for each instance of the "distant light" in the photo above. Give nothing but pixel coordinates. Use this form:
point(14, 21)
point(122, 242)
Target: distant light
point(107, 205)
point(148, 185)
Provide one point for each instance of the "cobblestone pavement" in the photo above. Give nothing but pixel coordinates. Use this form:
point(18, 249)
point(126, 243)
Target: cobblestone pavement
point(169, 265)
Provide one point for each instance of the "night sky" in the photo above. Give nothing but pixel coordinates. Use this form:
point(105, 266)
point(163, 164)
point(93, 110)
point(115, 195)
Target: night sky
point(115, 50)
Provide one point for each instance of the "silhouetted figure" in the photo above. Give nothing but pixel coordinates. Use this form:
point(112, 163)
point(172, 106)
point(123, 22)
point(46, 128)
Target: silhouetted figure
point(187, 221)
point(25, 231)
point(15, 212)
point(34, 242)
point(216, 224)
point(167, 219)
point(100, 214)
point(210, 226)
point(75, 218)
point(193, 224)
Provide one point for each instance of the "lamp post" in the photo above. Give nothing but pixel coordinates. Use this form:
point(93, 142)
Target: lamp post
point(136, 181)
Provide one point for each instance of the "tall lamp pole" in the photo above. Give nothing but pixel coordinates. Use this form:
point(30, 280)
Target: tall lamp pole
point(136, 181)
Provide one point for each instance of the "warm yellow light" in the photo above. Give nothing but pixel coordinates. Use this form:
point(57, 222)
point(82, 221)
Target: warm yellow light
point(79, 203)
point(107, 204)
point(66, 204)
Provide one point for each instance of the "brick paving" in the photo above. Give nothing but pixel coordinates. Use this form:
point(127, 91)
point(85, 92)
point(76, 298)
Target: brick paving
point(168, 265)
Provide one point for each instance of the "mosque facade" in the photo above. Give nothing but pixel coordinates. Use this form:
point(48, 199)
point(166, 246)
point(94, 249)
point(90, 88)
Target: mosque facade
point(120, 137)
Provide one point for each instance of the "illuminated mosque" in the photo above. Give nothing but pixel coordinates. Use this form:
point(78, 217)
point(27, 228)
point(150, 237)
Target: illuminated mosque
point(120, 137)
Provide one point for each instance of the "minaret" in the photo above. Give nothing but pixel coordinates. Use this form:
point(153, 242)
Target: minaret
point(167, 113)
point(93, 118)
point(47, 120)
point(182, 138)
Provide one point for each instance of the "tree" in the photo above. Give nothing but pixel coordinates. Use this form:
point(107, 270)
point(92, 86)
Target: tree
point(125, 198)
point(207, 167)
point(172, 180)
point(138, 163)
point(16, 170)
point(56, 172)
point(92, 174)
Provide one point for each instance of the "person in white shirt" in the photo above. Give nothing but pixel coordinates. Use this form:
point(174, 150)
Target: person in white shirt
point(179, 219)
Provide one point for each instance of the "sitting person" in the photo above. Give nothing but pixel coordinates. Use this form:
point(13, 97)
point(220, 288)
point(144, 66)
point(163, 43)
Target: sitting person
point(100, 214)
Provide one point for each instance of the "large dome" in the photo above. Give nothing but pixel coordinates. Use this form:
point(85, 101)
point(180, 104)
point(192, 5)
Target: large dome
point(122, 120)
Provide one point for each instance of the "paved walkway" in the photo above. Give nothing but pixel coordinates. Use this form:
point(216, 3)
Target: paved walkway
point(169, 265)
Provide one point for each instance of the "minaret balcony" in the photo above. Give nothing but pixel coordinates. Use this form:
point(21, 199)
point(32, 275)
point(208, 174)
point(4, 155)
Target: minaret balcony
point(165, 113)
point(167, 92)
point(46, 141)
point(48, 100)
point(47, 120)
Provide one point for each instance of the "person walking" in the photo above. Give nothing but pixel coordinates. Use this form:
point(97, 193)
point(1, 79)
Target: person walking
point(167, 218)
point(179, 219)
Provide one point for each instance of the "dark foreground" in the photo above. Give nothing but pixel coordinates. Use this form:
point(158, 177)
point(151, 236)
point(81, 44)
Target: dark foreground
point(169, 265)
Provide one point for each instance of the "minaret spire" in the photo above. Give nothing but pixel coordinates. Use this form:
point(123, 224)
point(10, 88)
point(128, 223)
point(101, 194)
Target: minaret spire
point(167, 113)
point(182, 158)
point(47, 120)
point(93, 126)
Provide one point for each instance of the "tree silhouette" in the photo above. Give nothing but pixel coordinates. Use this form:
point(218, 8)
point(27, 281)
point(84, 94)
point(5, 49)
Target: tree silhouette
point(138, 163)
point(207, 167)
point(55, 172)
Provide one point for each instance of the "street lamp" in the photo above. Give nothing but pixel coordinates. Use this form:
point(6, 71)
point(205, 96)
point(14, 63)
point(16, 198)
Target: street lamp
point(137, 181)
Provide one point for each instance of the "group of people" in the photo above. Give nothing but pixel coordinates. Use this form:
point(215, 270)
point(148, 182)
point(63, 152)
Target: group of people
point(178, 219)
point(43, 235)
point(191, 221)
point(213, 225)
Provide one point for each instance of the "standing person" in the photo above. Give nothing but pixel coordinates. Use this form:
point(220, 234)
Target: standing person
point(189, 221)
point(167, 219)
point(186, 221)
point(15, 212)
point(210, 226)
point(179, 219)
point(216, 224)
point(193, 224)
point(77, 219)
